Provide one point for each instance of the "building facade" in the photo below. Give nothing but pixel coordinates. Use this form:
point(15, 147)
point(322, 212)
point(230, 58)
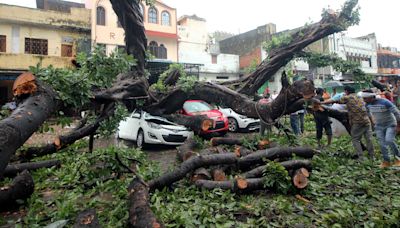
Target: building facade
point(196, 47)
point(159, 22)
point(30, 36)
point(249, 47)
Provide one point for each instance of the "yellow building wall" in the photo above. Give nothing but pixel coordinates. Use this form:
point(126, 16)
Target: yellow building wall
point(112, 35)
point(40, 24)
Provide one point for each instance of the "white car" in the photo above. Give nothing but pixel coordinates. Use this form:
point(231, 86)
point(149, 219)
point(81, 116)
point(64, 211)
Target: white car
point(145, 129)
point(237, 121)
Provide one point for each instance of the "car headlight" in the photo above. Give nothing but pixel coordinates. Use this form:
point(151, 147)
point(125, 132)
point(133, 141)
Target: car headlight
point(154, 125)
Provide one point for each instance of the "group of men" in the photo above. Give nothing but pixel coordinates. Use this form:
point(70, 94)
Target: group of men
point(366, 112)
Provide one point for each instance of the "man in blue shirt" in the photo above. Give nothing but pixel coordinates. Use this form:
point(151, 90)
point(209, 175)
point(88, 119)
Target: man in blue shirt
point(385, 116)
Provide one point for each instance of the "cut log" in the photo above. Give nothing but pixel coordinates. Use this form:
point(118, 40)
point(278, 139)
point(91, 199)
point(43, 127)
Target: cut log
point(241, 182)
point(241, 151)
point(189, 166)
point(218, 175)
point(13, 169)
point(247, 185)
point(263, 144)
point(216, 141)
point(25, 84)
point(140, 213)
point(87, 219)
point(20, 189)
point(299, 178)
point(272, 154)
point(24, 121)
point(200, 174)
point(289, 165)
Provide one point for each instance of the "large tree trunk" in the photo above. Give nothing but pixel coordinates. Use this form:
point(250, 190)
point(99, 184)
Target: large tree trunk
point(278, 58)
point(140, 214)
point(32, 111)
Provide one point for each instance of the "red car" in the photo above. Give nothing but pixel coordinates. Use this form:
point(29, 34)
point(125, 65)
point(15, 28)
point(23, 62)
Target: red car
point(199, 107)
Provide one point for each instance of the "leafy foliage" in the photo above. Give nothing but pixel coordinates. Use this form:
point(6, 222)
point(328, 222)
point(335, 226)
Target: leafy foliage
point(342, 192)
point(323, 60)
point(277, 41)
point(275, 176)
point(252, 67)
point(109, 126)
point(73, 86)
point(160, 86)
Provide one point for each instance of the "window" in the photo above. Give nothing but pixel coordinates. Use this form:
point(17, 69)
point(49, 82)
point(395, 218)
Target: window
point(165, 18)
point(2, 43)
point(153, 15)
point(66, 50)
point(160, 52)
point(213, 59)
point(36, 46)
point(100, 16)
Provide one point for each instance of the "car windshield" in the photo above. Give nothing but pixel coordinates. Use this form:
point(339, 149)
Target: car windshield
point(197, 106)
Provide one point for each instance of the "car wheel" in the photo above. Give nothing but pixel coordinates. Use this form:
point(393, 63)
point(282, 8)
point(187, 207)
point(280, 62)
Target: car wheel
point(233, 125)
point(140, 139)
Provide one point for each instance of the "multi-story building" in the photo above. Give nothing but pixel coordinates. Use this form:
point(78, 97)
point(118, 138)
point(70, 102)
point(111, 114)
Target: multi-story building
point(196, 47)
point(362, 50)
point(30, 36)
point(159, 22)
point(388, 61)
point(249, 47)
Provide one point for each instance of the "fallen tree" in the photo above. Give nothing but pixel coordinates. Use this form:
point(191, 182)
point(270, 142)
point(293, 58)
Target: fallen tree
point(36, 102)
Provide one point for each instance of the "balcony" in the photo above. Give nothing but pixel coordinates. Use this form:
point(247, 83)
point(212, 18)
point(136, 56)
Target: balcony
point(24, 61)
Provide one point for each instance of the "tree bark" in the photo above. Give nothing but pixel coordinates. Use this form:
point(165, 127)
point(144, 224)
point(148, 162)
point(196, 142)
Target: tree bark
point(24, 121)
point(128, 13)
point(189, 166)
point(252, 184)
point(140, 214)
point(216, 141)
point(289, 165)
point(272, 154)
point(21, 188)
point(13, 169)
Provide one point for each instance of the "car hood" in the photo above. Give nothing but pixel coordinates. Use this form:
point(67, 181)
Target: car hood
point(166, 124)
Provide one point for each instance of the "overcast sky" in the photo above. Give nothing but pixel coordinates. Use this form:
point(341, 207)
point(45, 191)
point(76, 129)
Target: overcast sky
point(237, 16)
point(379, 16)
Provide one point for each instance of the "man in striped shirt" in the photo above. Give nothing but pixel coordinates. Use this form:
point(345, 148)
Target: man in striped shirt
point(385, 115)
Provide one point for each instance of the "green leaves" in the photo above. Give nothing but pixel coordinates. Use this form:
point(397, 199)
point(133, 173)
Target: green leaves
point(276, 177)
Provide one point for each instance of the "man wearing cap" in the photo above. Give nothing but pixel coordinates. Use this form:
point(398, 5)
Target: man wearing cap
point(359, 120)
point(385, 115)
